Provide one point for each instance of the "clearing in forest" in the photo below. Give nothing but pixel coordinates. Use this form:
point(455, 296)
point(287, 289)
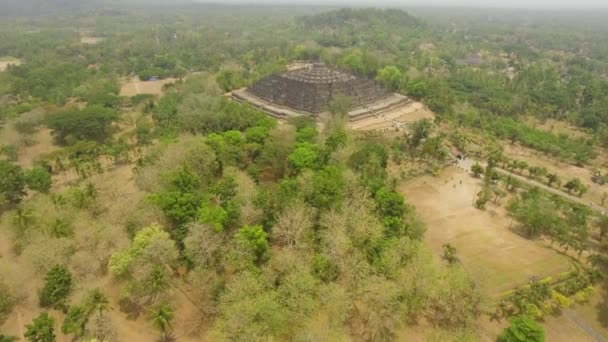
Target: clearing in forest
point(496, 257)
point(134, 86)
point(6, 61)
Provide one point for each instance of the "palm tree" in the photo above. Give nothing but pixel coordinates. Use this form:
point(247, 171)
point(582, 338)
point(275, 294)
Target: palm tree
point(162, 317)
point(98, 301)
point(24, 217)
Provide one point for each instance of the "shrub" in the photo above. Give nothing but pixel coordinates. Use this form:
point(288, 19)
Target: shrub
point(523, 329)
point(57, 287)
point(7, 301)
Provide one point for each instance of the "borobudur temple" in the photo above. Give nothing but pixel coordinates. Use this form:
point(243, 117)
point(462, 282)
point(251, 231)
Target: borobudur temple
point(308, 88)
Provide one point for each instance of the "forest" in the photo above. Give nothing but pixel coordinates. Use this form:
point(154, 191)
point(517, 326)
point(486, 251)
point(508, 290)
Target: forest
point(186, 216)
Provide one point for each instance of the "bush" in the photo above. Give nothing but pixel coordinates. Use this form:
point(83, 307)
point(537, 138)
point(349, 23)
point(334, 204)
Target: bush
point(57, 287)
point(12, 182)
point(7, 301)
point(523, 329)
point(38, 179)
point(41, 330)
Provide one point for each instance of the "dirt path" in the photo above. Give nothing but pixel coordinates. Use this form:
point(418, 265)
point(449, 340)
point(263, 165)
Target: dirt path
point(466, 164)
point(587, 329)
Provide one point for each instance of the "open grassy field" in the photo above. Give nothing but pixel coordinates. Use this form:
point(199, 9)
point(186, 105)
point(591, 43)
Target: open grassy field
point(496, 257)
point(135, 86)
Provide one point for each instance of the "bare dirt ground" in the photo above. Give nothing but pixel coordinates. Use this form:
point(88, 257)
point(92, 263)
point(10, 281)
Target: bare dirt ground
point(6, 61)
point(134, 86)
point(496, 257)
point(394, 119)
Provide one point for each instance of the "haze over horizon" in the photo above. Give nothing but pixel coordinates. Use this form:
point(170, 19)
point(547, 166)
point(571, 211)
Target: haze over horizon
point(545, 4)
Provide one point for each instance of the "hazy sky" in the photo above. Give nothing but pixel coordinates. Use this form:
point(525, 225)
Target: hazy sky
point(475, 3)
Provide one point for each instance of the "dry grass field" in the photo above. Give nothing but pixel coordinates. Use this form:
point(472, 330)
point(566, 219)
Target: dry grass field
point(135, 86)
point(6, 61)
point(91, 40)
point(496, 257)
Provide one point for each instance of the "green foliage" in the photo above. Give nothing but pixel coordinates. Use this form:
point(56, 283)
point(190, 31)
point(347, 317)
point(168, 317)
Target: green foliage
point(304, 156)
point(91, 123)
point(162, 318)
point(6, 338)
point(523, 329)
point(7, 301)
point(254, 238)
point(215, 216)
point(449, 253)
point(148, 240)
point(38, 179)
point(327, 188)
point(390, 77)
point(571, 149)
point(41, 329)
point(75, 321)
point(180, 207)
point(57, 287)
point(12, 182)
point(477, 170)
point(324, 269)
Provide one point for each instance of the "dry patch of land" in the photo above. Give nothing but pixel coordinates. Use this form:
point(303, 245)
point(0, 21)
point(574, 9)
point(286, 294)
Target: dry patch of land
point(28, 155)
point(135, 86)
point(91, 40)
point(6, 61)
point(496, 257)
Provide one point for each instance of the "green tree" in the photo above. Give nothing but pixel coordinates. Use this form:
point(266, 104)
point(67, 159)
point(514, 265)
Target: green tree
point(162, 319)
point(12, 182)
point(6, 338)
point(449, 253)
point(23, 217)
point(327, 188)
point(477, 170)
point(552, 178)
point(390, 77)
point(97, 301)
point(38, 179)
point(75, 321)
point(41, 329)
point(575, 185)
point(523, 329)
point(213, 215)
point(256, 239)
point(91, 123)
point(57, 287)
point(304, 156)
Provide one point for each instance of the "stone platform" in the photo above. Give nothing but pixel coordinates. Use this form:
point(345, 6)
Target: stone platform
point(386, 104)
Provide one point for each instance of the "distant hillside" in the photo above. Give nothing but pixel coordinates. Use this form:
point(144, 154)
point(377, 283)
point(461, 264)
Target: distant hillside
point(351, 27)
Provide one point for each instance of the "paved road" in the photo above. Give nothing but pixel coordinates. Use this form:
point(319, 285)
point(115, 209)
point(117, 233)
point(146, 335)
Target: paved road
point(466, 165)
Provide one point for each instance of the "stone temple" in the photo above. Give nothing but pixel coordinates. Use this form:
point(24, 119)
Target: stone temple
point(308, 88)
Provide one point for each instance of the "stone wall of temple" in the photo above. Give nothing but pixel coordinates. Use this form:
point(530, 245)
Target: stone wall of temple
point(312, 89)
